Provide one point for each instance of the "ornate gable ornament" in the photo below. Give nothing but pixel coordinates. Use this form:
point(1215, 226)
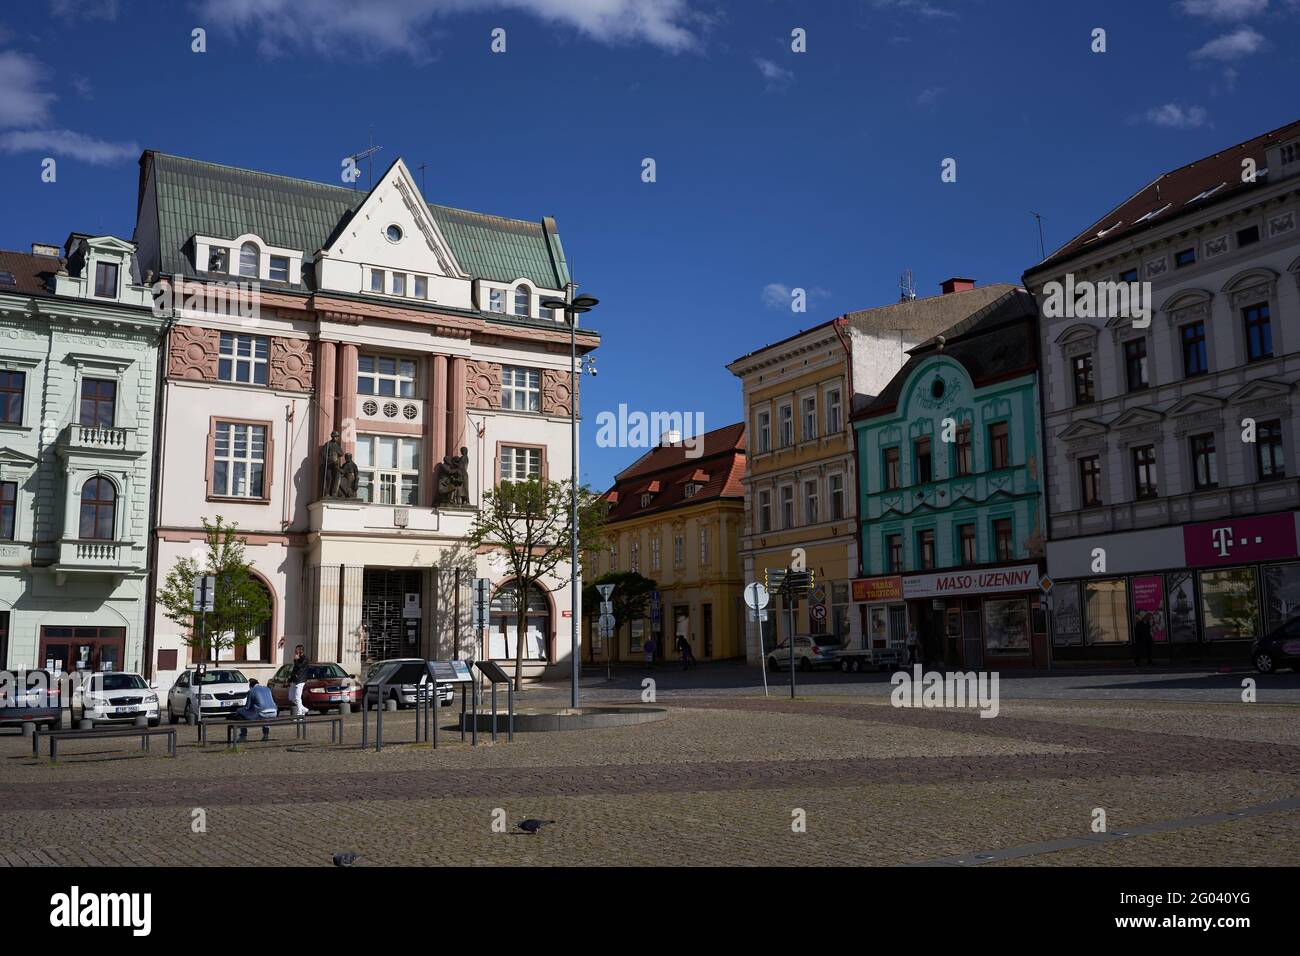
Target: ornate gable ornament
point(1083, 436)
point(1078, 339)
point(482, 384)
point(192, 353)
point(1136, 424)
point(1262, 397)
point(1196, 413)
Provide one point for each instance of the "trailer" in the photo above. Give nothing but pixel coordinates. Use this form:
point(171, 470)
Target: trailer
point(862, 659)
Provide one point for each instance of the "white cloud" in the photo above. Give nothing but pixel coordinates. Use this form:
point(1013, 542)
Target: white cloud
point(776, 295)
point(775, 74)
point(929, 96)
point(921, 8)
point(85, 89)
point(402, 26)
point(23, 101)
point(65, 142)
point(1173, 116)
point(1223, 9)
point(1242, 41)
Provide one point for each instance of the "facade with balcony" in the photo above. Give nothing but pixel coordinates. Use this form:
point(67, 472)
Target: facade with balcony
point(413, 331)
point(1172, 483)
point(950, 496)
point(79, 347)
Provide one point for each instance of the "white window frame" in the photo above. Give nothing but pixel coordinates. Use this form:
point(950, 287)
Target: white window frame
point(705, 550)
point(763, 428)
point(764, 510)
point(834, 410)
point(679, 550)
point(526, 293)
point(636, 556)
point(399, 478)
point(512, 456)
point(785, 424)
point(811, 501)
point(497, 301)
point(521, 388)
point(378, 277)
point(229, 489)
point(271, 269)
point(786, 505)
point(807, 433)
point(397, 378)
point(656, 547)
point(253, 360)
point(833, 494)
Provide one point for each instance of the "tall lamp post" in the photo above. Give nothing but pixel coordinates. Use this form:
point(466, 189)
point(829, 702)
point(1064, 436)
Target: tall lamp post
point(573, 307)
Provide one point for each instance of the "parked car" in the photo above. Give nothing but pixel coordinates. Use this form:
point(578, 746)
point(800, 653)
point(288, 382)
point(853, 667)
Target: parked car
point(1279, 648)
point(405, 694)
point(224, 691)
point(30, 697)
point(810, 651)
point(119, 696)
point(327, 687)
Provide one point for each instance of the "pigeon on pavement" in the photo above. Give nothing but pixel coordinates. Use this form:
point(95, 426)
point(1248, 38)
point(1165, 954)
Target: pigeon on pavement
point(532, 826)
point(345, 859)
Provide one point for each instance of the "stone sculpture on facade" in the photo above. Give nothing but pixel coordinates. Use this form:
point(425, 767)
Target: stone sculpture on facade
point(349, 477)
point(453, 477)
point(331, 454)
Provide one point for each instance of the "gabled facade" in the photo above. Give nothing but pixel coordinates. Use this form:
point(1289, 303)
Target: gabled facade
point(950, 496)
point(677, 520)
point(1171, 476)
point(78, 369)
point(415, 333)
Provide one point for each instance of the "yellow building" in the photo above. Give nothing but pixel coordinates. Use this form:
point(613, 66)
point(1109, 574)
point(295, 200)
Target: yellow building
point(801, 484)
point(676, 516)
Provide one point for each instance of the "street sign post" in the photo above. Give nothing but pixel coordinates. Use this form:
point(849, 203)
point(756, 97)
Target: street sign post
point(205, 600)
point(756, 596)
point(605, 591)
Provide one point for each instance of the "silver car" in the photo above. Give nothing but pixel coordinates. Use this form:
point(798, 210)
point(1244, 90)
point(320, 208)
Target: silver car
point(810, 651)
point(222, 692)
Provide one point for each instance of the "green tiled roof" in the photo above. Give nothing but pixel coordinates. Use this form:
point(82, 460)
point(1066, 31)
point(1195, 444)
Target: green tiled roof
point(207, 199)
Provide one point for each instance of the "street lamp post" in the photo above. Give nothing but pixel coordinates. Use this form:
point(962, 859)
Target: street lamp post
point(573, 307)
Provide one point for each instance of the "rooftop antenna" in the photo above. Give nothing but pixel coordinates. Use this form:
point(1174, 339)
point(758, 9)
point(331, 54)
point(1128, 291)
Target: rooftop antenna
point(423, 192)
point(368, 154)
point(1042, 251)
point(906, 290)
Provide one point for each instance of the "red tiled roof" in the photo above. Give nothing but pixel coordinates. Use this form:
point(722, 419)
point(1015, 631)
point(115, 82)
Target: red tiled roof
point(1171, 193)
point(719, 469)
point(32, 274)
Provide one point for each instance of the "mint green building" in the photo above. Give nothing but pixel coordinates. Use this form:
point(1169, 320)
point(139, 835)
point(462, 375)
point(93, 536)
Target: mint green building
point(950, 495)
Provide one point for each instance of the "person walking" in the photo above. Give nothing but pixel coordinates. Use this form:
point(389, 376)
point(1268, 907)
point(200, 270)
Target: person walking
point(685, 652)
point(649, 647)
point(297, 680)
point(1142, 638)
point(913, 647)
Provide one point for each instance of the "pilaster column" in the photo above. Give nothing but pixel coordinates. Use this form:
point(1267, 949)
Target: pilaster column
point(456, 405)
point(435, 422)
point(347, 388)
point(325, 393)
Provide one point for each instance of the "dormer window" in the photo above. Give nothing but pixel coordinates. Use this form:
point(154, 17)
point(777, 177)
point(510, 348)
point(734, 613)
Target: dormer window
point(279, 268)
point(218, 259)
point(523, 303)
point(646, 499)
point(399, 283)
point(496, 300)
point(106, 280)
point(377, 280)
point(421, 287)
point(249, 257)
point(692, 489)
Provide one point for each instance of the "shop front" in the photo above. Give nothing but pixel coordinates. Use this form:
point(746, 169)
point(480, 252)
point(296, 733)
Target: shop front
point(1239, 577)
point(972, 618)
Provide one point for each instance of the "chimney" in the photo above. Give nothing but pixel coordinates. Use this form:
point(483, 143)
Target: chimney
point(45, 249)
point(670, 438)
point(950, 286)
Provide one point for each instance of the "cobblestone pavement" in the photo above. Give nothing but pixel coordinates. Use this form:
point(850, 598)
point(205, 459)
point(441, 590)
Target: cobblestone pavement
point(722, 780)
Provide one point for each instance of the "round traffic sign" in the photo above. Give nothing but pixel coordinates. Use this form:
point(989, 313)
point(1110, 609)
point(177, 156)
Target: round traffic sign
point(817, 612)
point(756, 596)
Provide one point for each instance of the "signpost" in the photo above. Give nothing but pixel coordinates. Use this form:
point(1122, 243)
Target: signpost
point(607, 625)
point(756, 597)
point(205, 599)
point(482, 607)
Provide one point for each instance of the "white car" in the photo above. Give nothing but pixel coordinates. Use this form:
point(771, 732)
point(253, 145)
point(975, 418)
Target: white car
point(223, 690)
point(119, 696)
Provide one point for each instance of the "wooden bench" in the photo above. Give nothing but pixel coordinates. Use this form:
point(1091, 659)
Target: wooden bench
point(298, 723)
point(144, 733)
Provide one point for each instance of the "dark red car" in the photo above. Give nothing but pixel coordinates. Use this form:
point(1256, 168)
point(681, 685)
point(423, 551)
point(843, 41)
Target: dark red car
point(327, 687)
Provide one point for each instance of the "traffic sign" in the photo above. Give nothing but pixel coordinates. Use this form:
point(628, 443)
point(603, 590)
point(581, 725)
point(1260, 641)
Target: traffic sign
point(819, 594)
point(605, 591)
point(756, 596)
point(606, 607)
point(817, 612)
point(205, 593)
point(757, 615)
point(606, 622)
point(1045, 584)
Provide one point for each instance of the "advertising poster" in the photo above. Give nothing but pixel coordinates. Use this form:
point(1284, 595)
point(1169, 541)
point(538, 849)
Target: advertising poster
point(1149, 597)
point(1182, 608)
point(1067, 618)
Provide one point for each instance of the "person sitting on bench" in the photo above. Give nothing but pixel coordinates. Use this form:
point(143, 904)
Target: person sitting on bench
point(260, 704)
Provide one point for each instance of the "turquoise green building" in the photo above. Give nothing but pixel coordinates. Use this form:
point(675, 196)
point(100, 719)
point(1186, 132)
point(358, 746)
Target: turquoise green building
point(950, 486)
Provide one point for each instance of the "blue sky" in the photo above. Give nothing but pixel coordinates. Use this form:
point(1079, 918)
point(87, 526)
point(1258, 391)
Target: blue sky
point(774, 169)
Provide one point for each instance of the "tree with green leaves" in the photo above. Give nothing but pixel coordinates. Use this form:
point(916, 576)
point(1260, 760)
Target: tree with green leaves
point(531, 524)
point(241, 605)
point(631, 597)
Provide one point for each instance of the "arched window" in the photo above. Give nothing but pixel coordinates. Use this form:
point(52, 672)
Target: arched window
point(249, 260)
point(98, 509)
point(504, 631)
point(523, 300)
point(259, 648)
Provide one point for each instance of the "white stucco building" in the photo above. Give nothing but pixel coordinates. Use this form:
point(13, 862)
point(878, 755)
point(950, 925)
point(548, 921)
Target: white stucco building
point(78, 363)
point(414, 331)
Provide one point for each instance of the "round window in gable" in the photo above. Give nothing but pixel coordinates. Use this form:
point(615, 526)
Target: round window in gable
point(937, 388)
point(394, 233)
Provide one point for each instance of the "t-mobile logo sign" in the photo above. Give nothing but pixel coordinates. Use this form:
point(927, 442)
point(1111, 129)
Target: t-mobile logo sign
point(1223, 540)
point(1254, 538)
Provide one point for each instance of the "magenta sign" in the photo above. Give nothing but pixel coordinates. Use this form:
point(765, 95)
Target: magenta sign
point(1240, 540)
point(1149, 597)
